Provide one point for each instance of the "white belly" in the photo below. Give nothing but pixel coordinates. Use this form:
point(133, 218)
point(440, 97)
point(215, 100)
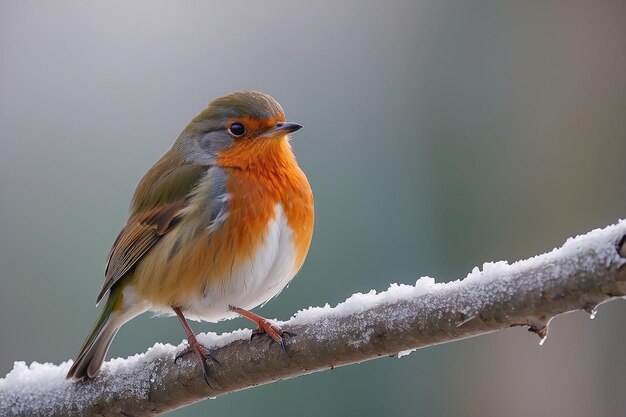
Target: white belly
point(253, 283)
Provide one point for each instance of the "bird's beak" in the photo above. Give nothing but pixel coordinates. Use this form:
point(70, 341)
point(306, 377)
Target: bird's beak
point(281, 129)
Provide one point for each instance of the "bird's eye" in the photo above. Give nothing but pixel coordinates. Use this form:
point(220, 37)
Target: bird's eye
point(237, 129)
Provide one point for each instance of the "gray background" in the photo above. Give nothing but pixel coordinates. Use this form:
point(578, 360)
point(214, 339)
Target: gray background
point(438, 135)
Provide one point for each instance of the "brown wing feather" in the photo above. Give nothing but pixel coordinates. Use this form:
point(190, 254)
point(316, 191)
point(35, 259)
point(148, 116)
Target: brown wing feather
point(140, 233)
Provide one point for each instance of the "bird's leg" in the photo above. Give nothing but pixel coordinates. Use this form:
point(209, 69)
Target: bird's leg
point(202, 352)
point(263, 326)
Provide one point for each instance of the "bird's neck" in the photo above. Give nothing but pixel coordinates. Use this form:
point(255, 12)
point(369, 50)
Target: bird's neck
point(260, 155)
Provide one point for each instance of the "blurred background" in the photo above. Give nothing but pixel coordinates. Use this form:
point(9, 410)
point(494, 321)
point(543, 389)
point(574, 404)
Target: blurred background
point(438, 135)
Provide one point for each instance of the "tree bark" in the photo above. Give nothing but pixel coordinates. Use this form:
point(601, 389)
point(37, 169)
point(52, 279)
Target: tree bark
point(585, 272)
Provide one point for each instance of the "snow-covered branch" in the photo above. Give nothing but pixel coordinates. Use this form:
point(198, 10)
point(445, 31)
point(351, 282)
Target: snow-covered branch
point(585, 272)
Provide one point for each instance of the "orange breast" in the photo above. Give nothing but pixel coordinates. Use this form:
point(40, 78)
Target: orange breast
point(178, 270)
point(267, 173)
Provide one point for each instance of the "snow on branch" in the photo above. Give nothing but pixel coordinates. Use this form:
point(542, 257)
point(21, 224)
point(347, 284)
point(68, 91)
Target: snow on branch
point(585, 272)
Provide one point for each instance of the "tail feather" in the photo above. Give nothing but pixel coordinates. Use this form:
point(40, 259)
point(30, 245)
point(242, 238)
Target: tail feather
point(95, 347)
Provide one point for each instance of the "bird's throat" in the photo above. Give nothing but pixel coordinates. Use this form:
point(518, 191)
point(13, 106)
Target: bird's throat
point(266, 154)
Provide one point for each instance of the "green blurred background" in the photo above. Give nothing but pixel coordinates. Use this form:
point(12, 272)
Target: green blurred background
point(438, 135)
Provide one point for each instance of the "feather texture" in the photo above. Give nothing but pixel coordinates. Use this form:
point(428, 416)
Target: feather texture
point(155, 212)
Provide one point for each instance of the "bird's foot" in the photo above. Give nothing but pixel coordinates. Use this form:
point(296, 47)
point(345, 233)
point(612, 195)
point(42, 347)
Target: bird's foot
point(203, 354)
point(264, 326)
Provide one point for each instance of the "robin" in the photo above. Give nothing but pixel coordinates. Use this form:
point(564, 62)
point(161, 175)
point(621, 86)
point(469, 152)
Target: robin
point(219, 225)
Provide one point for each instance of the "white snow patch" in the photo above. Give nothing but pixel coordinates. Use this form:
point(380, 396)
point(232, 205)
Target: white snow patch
point(44, 376)
point(27, 390)
point(359, 302)
point(215, 341)
point(405, 353)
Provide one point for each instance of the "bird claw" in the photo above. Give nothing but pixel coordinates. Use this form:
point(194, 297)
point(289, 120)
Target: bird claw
point(203, 354)
point(276, 335)
point(184, 352)
point(190, 348)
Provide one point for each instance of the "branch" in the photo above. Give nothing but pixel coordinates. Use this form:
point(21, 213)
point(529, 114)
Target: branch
point(585, 272)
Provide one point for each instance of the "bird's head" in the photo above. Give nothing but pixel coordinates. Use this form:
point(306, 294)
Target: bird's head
point(238, 130)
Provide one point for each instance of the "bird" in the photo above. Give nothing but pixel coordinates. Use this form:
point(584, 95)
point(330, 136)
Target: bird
point(218, 226)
